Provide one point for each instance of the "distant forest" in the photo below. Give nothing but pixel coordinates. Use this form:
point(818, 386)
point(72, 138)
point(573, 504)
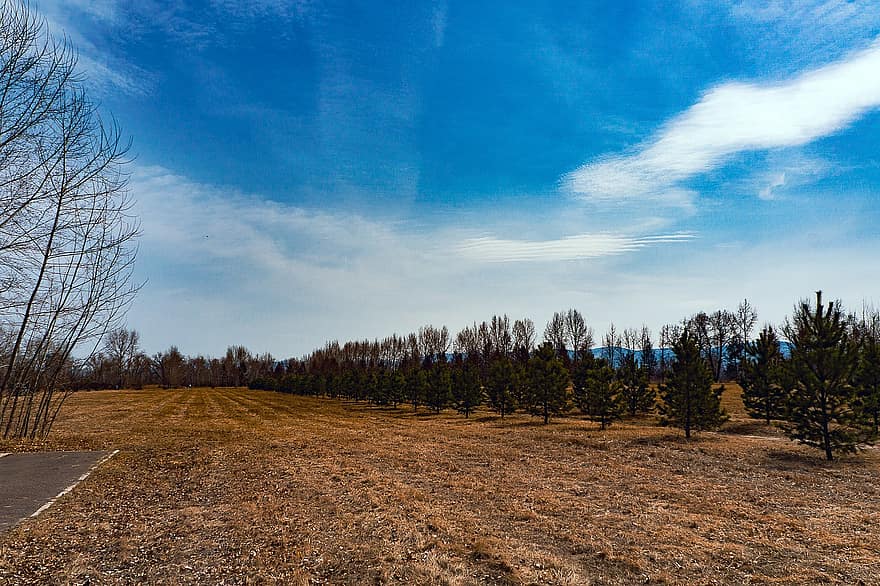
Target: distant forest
point(818, 377)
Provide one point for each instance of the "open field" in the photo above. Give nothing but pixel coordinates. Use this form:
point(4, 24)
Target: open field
point(237, 486)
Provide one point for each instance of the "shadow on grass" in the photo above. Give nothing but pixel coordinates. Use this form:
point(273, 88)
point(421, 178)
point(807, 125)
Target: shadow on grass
point(793, 460)
point(750, 427)
point(658, 439)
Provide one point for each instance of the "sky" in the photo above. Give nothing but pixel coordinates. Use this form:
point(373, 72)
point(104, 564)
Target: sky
point(314, 170)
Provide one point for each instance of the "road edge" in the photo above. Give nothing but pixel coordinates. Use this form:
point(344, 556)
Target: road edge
point(72, 486)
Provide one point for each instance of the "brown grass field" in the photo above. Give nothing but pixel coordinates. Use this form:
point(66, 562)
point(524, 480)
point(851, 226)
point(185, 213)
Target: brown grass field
point(237, 487)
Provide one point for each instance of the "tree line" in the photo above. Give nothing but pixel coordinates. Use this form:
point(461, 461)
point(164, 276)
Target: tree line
point(822, 387)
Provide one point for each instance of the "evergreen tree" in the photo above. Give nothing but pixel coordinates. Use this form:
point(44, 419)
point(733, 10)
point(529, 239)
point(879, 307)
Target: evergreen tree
point(636, 392)
point(603, 397)
point(547, 392)
point(380, 386)
point(467, 390)
point(689, 402)
point(760, 377)
point(579, 377)
point(501, 386)
point(867, 375)
point(439, 390)
point(823, 409)
point(396, 387)
point(416, 387)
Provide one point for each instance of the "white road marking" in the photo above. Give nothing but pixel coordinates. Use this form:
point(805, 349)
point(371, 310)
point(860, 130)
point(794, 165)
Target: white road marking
point(72, 486)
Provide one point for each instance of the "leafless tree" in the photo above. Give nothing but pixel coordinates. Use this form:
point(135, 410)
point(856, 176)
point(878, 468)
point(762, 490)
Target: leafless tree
point(722, 324)
point(745, 320)
point(433, 341)
point(499, 330)
point(579, 333)
point(713, 334)
point(168, 367)
point(121, 348)
point(524, 336)
point(66, 234)
point(611, 344)
point(556, 334)
point(669, 333)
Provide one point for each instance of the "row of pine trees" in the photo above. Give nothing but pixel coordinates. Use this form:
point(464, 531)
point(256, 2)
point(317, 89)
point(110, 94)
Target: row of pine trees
point(824, 393)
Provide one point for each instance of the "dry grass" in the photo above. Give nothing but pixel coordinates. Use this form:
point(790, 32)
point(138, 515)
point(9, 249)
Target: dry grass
point(236, 486)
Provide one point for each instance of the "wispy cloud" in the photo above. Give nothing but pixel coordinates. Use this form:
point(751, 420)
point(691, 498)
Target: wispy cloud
point(81, 21)
point(803, 30)
point(438, 23)
point(732, 118)
point(582, 246)
point(773, 182)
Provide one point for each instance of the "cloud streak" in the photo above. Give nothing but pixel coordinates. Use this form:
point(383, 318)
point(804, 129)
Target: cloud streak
point(582, 246)
point(732, 118)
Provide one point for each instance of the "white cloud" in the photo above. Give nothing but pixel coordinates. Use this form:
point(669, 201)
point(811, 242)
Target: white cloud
point(582, 246)
point(78, 20)
point(776, 180)
point(732, 118)
point(284, 279)
point(223, 267)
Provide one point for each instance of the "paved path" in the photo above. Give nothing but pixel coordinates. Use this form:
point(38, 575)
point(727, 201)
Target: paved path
point(30, 482)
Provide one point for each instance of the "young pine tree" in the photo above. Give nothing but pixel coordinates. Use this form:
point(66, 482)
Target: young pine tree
point(636, 392)
point(823, 410)
point(761, 378)
point(580, 375)
point(439, 391)
point(603, 396)
point(501, 387)
point(867, 378)
point(416, 386)
point(467, 390)
point(689, 402)
point(397, 387)
point(547, 392)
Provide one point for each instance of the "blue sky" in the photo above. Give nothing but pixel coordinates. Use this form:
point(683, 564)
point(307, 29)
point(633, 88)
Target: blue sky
point(314, 170)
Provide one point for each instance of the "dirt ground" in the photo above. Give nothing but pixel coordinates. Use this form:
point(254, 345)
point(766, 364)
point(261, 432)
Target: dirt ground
point(236, 486)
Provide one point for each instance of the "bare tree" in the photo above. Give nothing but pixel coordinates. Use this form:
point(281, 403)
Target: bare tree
point(611, 343)
point(524, 337)
point(556, 334)
point(579, 333)
point(433, 341)
point(168, 367)
point(66, 235)
point(121, 347)
point(744, 321)
point(499, 330)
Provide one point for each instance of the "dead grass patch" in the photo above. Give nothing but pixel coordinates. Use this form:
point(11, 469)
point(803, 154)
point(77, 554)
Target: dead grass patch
point(236, 486)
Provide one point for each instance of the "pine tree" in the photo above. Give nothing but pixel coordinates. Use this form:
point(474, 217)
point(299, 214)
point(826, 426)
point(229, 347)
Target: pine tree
point(381, 387)
point(396, 387)
point(502, 385)
point(823, 409)
point(416, 387)
point(760, 377)
point(467, 390)
point(867, 375)
point(636, 391)
point(689, 402)
point(439, 390)
point(580, 376)
point(603, 397)
point(547, 392)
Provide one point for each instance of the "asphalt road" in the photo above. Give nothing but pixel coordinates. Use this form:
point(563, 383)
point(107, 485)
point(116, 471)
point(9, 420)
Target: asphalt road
point(29, 481)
